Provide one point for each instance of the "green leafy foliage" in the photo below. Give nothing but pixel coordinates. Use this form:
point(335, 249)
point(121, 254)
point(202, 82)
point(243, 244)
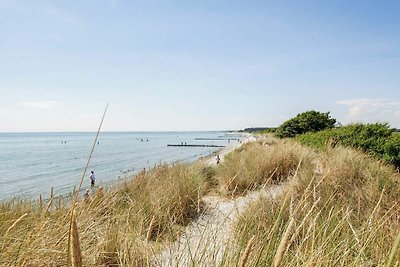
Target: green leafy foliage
point(309, 121)
point(266, 130)
point(375, 138)
point(392, 149)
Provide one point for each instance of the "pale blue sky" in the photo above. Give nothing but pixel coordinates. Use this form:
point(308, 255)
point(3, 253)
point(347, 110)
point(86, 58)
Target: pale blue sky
point(196, 65)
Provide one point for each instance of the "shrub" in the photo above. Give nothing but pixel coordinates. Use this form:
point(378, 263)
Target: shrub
point(266, 131)
point(375, 138)
point(309, 121)
point(392, 149)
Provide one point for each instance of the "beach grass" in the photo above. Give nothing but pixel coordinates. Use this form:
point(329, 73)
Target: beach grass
point(119, 226)
point(346, 213)
point(337, 207)
point(261, 163)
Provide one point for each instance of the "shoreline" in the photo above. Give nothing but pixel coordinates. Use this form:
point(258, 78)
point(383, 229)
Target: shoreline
point(209, 159)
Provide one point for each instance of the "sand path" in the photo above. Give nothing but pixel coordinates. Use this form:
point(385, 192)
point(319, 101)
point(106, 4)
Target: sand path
point(205, 240)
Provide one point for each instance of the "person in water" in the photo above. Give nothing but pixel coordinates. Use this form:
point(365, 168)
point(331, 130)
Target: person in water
point(92, 178)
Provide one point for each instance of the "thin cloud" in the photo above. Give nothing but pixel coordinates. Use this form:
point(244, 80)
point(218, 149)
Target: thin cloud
point(372, 110)
point(40, 104)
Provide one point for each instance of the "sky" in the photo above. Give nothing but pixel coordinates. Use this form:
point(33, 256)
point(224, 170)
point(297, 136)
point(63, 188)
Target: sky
point(196, 65)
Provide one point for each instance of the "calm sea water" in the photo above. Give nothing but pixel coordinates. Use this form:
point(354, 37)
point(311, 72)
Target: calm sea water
point(32, 163)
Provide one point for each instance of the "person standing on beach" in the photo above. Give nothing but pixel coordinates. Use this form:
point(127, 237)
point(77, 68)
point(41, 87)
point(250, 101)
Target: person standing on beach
point(92, 179)
point(218, 159)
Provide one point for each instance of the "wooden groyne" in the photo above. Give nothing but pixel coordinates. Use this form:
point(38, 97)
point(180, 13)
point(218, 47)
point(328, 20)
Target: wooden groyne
point(188, 145)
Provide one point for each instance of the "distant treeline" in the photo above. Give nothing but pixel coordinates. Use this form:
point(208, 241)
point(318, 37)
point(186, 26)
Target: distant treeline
point(259, 130)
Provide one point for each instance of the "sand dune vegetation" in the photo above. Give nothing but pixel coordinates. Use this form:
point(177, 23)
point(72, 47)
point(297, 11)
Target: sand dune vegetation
point(335, 207)
point(342, 212)
point(116, 227)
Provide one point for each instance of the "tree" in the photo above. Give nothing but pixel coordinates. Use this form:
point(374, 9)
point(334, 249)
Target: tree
point(309, 121)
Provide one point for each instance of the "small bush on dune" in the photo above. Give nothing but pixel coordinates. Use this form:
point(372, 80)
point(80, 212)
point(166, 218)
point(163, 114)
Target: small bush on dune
point(309, 121)
point(376, 138)
point(392, 149)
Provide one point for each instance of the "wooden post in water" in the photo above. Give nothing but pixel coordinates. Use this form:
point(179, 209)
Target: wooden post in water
point(51, 196)
point(50, 204)
point(40, 201)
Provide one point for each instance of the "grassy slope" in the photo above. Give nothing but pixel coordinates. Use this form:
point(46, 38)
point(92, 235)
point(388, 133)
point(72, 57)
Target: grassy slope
point(342, 209)
point(114, 226)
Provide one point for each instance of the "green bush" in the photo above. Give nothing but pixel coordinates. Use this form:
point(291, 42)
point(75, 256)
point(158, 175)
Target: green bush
point(375, 138)
point(392, 149)
point(266, 131)
point(309, 121)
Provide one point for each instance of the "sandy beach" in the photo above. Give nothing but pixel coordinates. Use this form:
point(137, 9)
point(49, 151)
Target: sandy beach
point(212, 160)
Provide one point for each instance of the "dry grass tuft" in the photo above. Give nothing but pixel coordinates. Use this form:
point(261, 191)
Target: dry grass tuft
point(113, 224)
point(255, 164)
point(345, 214)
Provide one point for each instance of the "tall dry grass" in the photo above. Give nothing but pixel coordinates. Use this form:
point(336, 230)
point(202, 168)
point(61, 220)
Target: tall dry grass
point(257, 163)
point(344, 212)
point(112, 228)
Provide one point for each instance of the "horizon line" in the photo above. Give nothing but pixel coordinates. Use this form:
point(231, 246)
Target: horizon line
point(145, 131)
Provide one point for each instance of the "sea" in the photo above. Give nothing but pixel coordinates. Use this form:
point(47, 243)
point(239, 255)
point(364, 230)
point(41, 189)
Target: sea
point(33, 163)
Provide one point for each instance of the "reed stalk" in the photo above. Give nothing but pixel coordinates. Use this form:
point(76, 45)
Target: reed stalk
point(284, 244)
point(15, 223)
point(76, 254)
point(394, 251)
point(245, 256)
point(150, 230)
